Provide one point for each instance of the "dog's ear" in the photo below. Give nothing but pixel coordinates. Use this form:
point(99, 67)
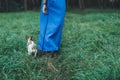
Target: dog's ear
point(31, 38)
point(26, 37)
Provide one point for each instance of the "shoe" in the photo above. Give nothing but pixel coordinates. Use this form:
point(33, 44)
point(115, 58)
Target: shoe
point(54, 54)
point(40, 53)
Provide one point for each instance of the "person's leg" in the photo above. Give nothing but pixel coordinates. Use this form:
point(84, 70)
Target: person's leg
point(51, 27)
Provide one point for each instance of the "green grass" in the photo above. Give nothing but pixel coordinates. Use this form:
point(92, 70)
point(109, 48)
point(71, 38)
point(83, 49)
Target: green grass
point(90, 47)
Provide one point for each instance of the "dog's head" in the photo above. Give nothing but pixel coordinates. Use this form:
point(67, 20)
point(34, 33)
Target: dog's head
point(29, 39)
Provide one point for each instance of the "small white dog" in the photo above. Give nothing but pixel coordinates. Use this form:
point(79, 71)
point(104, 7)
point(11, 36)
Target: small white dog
point(31, 46)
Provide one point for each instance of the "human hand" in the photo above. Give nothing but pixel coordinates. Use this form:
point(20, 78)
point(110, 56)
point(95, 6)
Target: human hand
point(44, 10)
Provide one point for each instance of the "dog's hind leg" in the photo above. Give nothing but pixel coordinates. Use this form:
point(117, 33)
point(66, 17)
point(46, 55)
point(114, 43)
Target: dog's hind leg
point(29, 53)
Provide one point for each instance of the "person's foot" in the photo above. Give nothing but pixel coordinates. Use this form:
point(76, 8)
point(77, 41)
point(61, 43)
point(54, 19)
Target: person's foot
point(54, 54)
point(39, 53)
point(48, 53)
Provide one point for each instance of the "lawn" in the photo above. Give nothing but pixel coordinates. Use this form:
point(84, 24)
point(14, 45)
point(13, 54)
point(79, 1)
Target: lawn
point(90, 48)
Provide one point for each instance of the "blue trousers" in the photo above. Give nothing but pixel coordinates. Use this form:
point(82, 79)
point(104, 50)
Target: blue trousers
point(51, 25)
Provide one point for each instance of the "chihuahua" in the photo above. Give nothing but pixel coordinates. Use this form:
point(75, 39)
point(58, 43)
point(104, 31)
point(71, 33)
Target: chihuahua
point(31, 46)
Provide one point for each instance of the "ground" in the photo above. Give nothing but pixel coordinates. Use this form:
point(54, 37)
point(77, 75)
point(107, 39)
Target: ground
point(90, 48)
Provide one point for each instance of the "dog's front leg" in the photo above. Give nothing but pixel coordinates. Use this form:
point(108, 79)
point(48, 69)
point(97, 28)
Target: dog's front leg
point(35, 50)
point(35, 54)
